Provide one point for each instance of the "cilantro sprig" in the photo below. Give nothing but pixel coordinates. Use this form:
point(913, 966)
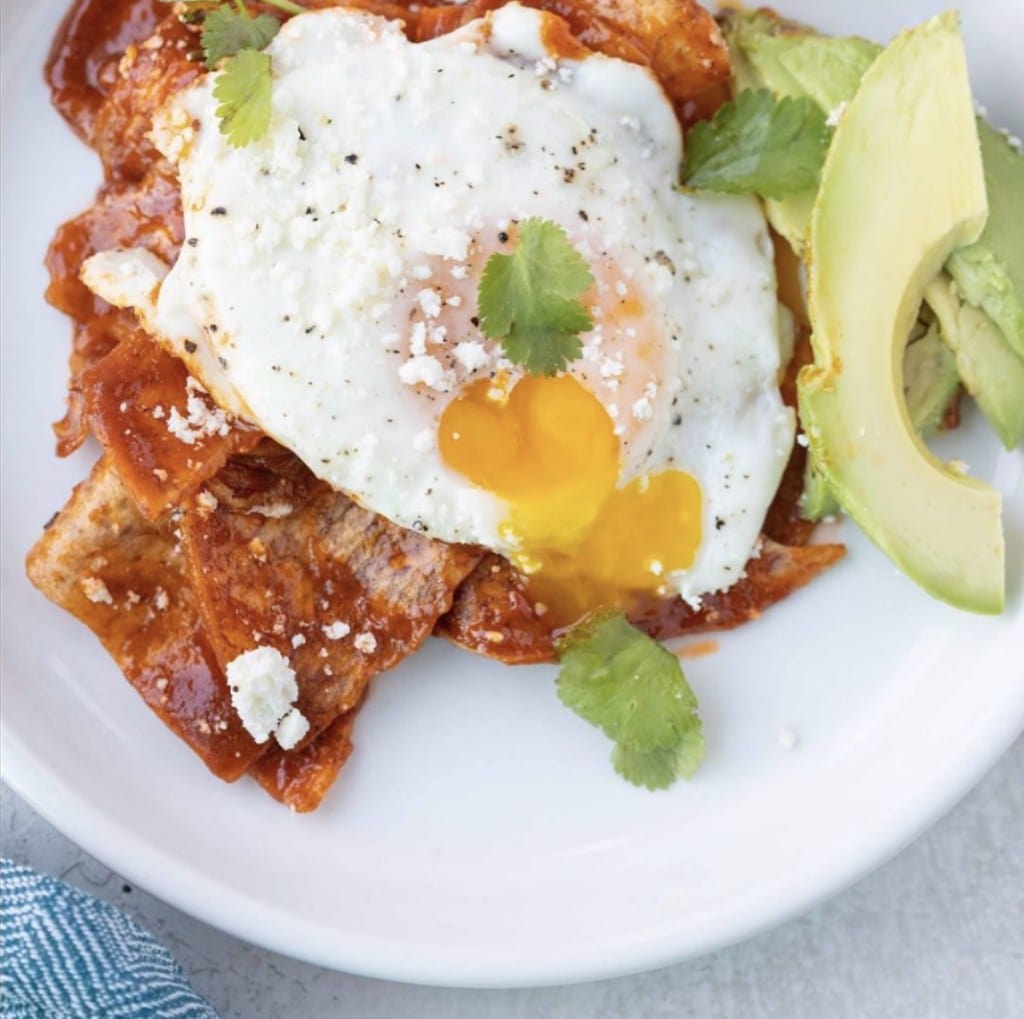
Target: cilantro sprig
point(232, 40)
point(530, 299)
point(757, 144)
point(227, 31)
point(631, 688)
point(243, 91)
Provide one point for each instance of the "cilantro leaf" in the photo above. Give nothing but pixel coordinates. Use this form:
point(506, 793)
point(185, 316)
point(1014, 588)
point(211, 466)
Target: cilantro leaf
point(227, 32)
point(530, 299)
point(625, 683)
point(758, 145)
point(659, 768)
point(243, 90)
point(631, 688)
point(653, 769)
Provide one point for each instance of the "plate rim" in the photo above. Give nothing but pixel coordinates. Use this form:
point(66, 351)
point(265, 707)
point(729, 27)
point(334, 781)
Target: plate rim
point(99, 833)
point(186, 889)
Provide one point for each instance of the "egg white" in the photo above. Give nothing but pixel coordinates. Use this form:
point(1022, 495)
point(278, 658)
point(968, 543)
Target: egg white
point(327, 288)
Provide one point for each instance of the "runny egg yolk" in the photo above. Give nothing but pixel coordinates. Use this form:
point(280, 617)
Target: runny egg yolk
point(548, 448)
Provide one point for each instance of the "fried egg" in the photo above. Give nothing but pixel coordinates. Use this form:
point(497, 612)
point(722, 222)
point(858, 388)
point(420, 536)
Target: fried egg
point(327, 293)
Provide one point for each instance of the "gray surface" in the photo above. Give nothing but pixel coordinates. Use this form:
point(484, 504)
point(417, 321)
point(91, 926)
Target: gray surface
point(938, 933)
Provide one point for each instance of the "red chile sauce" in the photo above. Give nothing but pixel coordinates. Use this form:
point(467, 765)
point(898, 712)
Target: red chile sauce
point(139, 204)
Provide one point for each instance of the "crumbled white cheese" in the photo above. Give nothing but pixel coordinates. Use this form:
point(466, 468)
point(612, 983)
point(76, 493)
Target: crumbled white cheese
point(836, 115)
point(643, 409)
point(418, 340)
point(200, 420)
point(291, 729)
point(471, 354)
point(366, 642)
point(427, 370)
point(264, 692)
point(429, 302)
point(336, 630)
point(206, 501)
point(298, 640)
point(96, 591)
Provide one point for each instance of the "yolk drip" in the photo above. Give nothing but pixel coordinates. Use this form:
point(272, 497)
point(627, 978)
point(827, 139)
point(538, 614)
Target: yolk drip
point(549, 449)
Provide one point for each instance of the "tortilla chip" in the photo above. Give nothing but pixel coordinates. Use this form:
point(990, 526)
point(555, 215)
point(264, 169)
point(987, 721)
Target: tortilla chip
point(494, 602)
point(124, 577)
point(772, 576)
point(301, 778)
point(138, 214)
point(148, 75)
point(86, 52)
point(493, 615)
point(278, 558)
point(147, 215)
point(134, 397)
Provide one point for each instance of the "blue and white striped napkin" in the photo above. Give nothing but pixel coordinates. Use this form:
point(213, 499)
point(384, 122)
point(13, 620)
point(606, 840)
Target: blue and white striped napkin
point(67, 955)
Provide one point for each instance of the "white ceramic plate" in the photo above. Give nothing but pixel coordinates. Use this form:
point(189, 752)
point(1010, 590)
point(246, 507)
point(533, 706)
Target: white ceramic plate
point(478, 836)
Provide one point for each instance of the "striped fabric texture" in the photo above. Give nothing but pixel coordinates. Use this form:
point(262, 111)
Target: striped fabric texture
point(66, 955)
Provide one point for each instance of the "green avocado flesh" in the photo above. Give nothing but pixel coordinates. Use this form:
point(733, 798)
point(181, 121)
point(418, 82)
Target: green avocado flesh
point(930, 385)
point(791, 60)
point(990, 274)
point(901, 188)
point(930, 380)
point(990, 369)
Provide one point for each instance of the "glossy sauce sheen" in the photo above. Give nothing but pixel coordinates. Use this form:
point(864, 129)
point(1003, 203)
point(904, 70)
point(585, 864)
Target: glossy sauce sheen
point(156, 574)
point(140, 205)
point(82, 64)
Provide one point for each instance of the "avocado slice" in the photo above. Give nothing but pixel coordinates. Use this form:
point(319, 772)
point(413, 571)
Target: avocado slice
point(930, 384)
point(902, 186)
point(990, 369)
point(792, 60)
point(990, 274)
point(817, 500)
point(798, 62)
point(930, 380)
